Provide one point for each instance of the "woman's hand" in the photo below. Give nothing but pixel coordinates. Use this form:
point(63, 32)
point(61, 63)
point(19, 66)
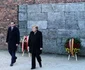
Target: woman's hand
point(17, 45)
point(40, 48)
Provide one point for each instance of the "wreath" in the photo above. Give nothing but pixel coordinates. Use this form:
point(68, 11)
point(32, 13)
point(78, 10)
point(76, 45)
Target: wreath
point(76, 46)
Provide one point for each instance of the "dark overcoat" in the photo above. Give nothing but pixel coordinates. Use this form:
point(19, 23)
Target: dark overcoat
point(13, 38)
point(35, 42)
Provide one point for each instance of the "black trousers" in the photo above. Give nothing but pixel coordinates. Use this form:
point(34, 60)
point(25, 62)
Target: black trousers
point(34, 56)
point(13, 56)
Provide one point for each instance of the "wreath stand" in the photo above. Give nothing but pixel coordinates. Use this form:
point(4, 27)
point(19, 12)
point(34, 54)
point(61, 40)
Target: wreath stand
point(69, 56)
point(72, 47)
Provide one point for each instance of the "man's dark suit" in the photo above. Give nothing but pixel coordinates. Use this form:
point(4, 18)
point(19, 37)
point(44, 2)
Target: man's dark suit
point(35, 43)
point(13, 38)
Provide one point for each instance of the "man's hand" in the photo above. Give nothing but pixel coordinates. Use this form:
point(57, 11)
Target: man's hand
point(40, 48)
point(28, 48)
point(17, 45)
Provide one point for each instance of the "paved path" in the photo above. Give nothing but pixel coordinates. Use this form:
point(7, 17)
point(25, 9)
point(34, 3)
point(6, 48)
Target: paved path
point(50, 62)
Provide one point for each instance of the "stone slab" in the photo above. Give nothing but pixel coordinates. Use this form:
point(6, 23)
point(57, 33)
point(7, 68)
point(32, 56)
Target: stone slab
point(34, 8)
point(74, 7)
point(37, 16)
point(40, 24)
point(22, 16)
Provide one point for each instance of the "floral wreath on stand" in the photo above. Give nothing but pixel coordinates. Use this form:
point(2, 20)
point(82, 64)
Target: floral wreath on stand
point(73, 46)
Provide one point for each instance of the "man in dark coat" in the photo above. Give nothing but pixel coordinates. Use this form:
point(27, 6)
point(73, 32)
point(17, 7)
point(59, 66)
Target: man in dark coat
point(35, 46)
point(13, 38)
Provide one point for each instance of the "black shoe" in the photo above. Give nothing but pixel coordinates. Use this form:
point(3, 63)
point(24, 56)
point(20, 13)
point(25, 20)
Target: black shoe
point(40, 65)
point(15, 57)
point(33, 68)
point(11, 64)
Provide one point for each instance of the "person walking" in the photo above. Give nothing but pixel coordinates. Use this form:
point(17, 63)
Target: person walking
point(13, 39)
point(35, 46)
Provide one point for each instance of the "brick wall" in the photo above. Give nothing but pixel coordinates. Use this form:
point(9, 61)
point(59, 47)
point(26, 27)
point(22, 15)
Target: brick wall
point(9, 11)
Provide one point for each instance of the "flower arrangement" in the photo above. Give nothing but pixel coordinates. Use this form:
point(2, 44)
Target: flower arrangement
point(72, 45)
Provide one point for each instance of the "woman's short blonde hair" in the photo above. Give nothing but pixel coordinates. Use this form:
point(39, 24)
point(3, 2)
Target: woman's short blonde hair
point(35, 27)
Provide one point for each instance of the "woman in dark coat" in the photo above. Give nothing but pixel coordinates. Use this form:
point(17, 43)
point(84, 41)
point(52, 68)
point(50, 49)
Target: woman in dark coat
point(35, 46)
point(13, 38)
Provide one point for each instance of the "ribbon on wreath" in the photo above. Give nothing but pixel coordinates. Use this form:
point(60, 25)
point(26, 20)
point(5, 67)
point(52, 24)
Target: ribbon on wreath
point(71, 46)
point(25, 43)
